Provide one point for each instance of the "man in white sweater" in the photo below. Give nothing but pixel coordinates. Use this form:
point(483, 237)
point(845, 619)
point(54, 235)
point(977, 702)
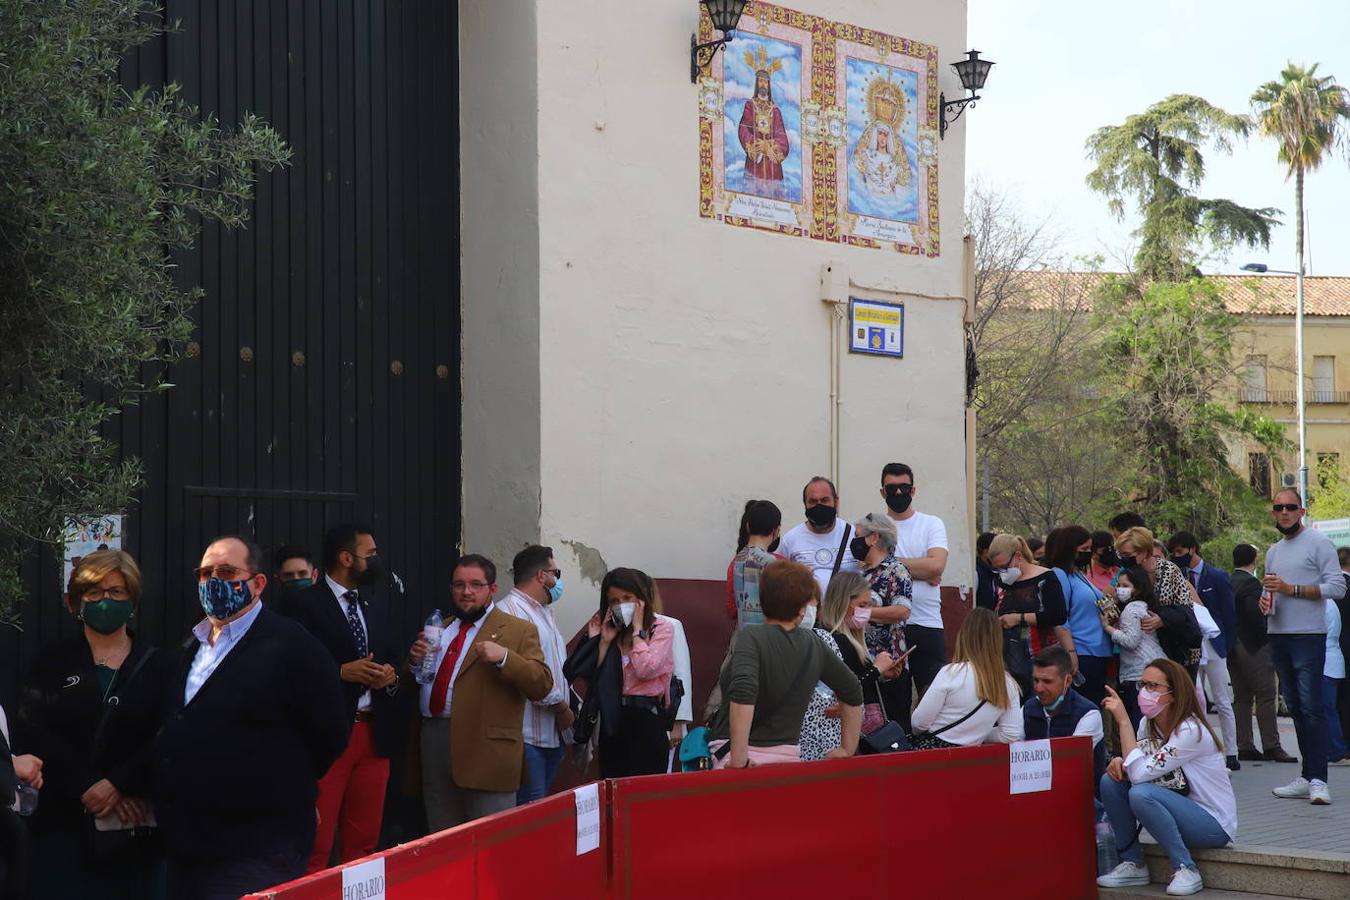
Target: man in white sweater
point(1301, 573)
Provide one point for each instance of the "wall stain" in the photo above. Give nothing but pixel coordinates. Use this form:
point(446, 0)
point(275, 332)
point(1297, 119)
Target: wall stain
point(593, 567)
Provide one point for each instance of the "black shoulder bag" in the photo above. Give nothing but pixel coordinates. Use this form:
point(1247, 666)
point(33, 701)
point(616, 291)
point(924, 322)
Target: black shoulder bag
point(839, 554)
point(929, 740)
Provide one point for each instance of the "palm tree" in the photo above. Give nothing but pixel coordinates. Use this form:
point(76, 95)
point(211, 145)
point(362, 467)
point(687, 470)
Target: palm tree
point(1307, 115)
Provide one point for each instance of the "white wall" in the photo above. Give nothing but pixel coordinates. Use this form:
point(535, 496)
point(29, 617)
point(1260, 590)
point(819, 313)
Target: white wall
point(683, 363)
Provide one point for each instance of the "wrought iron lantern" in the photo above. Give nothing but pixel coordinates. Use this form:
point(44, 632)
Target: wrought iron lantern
point(725, 16)
point(973, 72)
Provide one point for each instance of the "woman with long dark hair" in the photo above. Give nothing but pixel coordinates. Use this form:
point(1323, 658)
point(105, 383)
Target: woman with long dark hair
point(627, 661)
point(1171, 779)
point(761, 524)
point(1069, 551)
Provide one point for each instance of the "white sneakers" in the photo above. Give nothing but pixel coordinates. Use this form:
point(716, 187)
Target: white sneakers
point(1127, 874)
point(1303, 789)
point(1185, 882)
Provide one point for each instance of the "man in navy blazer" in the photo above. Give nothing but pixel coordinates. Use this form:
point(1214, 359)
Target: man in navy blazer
point(338, 611)
point(250, 720)
point(1214, 586)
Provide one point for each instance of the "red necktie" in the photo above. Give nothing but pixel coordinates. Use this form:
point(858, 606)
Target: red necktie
point(441, 686)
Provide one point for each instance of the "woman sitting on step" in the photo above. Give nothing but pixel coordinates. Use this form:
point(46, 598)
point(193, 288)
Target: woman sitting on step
point(1172, 781)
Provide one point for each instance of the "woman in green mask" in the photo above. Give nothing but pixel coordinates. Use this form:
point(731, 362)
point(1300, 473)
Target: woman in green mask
point(68, 716)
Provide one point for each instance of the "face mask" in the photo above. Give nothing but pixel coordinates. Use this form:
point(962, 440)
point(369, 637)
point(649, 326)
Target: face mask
point(858, 547)
point(1108, 559)
point(821, 516)
point(296, 584)
point(861, 616)
point(555, 592)
point(809, 616)
point(107, 615)
point(773, 548)
point(221, 599)
point(1148, 703)
point(1009, 575)
point(1083, 559)
point(1051, 707)
point(1123, 594)
point(1291, 530)
point(468, 616)
point(1182, 562)
point(897, 502)
point(373, 574)
point(626, 611)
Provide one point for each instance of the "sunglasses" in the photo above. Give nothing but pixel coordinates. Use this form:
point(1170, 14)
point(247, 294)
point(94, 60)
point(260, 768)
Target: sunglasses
point(224, 573)
point(1285, 507)
point(905, 489)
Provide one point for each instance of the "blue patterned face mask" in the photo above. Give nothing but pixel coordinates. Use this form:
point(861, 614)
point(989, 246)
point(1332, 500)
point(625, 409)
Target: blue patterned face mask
point(221, 599)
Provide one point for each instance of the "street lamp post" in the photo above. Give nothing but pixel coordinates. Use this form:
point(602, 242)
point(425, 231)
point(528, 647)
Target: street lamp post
point(1262, 268)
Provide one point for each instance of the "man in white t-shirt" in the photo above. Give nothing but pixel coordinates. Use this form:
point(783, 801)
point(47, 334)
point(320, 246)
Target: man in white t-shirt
point(816, 542)
point(921, 544)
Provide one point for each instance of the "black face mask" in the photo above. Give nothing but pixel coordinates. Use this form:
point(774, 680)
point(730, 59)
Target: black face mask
point(897, 502)
point(1083, 559)
point(373, 573)
point(1291, 530)
point(858, 547)
point(1108, 559)
point(773, 547)
point(821, 516)
point(1182, 562)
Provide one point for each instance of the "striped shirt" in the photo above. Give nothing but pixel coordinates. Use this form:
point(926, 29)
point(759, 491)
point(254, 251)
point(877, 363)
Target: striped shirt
point(540, 729)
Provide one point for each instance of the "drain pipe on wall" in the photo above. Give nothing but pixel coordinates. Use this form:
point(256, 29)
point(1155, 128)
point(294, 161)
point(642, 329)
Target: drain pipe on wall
point(834, 293)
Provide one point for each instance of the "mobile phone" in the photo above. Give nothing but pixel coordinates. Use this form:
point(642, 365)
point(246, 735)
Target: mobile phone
point(616, 619)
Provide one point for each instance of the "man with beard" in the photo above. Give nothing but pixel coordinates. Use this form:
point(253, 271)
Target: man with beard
point(488, 664)
point(338, 611)
point(1301, 574)
point(762, 134)
point(921, 544)
point(821, 542)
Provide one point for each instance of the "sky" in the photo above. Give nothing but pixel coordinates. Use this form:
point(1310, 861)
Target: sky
point(1063, 68)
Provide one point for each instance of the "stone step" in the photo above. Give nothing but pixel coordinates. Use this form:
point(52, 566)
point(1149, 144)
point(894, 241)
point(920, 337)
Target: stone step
point(1268, 871)
point(1160, 890)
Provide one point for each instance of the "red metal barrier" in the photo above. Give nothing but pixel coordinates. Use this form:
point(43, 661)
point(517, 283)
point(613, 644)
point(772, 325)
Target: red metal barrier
point(526, 852)
point(935, 824)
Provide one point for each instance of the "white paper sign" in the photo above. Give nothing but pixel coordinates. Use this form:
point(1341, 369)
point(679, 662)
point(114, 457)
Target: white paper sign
point(364, 881)
point(588, 818)
point(773, 212)
point(1029, 767)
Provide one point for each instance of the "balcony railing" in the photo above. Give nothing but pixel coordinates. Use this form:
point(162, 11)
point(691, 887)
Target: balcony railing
point(1289, 398)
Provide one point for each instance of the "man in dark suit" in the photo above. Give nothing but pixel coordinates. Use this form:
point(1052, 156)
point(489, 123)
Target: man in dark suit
point(251, 719)
point(1215, 589)
point(1250, 666)
point(488, 664)
point(337, 610)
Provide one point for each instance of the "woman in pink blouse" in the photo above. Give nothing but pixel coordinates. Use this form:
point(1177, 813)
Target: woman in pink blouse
point(626, 662)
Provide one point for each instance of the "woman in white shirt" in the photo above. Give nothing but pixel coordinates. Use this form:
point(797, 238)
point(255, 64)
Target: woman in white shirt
point(973, 700)
point(1173, 747)
point(1333, 672)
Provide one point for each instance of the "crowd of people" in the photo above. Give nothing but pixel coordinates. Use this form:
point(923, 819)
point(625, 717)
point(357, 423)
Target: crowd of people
point(261, 747)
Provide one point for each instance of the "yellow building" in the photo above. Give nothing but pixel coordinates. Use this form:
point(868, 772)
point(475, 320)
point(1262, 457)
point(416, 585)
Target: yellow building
point(1263, 359)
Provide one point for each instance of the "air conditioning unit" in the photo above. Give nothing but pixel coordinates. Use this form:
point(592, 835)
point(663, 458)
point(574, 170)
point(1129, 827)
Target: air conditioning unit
point(1289, 480)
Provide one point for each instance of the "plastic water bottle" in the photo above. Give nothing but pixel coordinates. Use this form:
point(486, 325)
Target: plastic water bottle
point(25, 799)
point(1107, 857)
point(431, 633)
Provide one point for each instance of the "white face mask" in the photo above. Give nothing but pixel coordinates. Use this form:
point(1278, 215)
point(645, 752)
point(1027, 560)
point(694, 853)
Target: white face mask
point(1123, 594)
point(809, 616)
point(1009, 575)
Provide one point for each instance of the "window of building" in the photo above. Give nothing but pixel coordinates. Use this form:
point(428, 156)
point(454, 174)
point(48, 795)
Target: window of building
point(1258, 473)
point(1324, 379)
point(1255, 386)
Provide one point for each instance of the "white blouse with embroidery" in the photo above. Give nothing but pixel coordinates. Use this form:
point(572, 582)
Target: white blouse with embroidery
point(1191, 748)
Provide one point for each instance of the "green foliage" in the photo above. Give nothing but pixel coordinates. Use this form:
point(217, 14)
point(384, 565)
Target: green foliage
point(1154, 157)
point(99, 187)
point(1331, 491)
point(1305, 113)
point(1169, 346)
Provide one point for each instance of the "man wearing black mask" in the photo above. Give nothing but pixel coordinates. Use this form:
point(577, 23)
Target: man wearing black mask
point(821, 542)
point(338, 612)
point(921, 544)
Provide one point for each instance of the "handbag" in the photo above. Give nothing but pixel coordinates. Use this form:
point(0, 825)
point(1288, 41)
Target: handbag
point(1174, 780)
point(928, 740)
point(674, 694)
point(889, 738)
point(120, 844)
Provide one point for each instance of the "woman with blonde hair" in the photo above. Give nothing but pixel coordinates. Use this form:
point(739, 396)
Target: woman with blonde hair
point(70, 716)
point(1031, 607)
point(1173, 620)
point(973, 700)
point(844, 614)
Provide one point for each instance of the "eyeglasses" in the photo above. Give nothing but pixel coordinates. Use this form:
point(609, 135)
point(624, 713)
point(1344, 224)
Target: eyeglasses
point(900, 489)
point(224, 573)
point(1155, 687)
point(93, 595)
point(1285, 507)
point(556, 573)
point(462, 586)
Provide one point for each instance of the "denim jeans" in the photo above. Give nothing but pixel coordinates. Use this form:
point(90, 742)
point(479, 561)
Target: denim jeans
point(1335, 737)
point(1177, 823)
point(1299, 660)
point(541, 764)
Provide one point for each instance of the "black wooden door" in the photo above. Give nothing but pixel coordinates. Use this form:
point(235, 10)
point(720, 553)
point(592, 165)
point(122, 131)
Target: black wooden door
point(323, 383)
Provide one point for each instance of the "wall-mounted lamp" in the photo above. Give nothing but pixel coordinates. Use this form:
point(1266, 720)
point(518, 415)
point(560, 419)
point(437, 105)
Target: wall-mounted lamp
point(973, 72)
point(725, 16)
